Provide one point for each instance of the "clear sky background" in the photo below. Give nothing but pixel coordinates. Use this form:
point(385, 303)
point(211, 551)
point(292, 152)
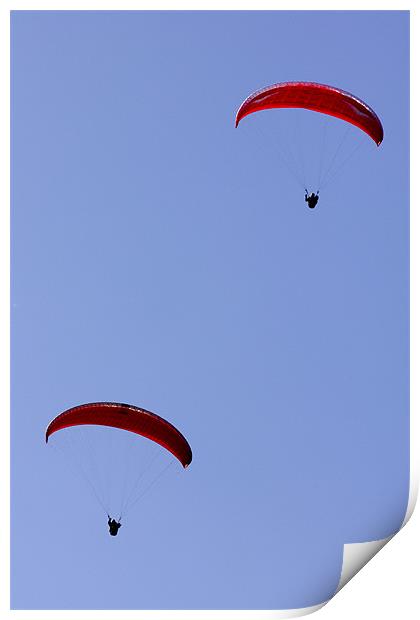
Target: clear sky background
point(165, 259)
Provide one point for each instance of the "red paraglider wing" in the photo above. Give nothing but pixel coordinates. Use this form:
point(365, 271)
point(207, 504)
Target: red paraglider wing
point(129, 418)
point(316, 97)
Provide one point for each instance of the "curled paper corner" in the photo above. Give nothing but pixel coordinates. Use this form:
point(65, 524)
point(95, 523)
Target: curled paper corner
point(357, 555)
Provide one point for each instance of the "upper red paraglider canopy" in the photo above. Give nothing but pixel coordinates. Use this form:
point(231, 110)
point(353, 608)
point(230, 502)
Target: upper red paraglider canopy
point(319, 98)
point(129, 418)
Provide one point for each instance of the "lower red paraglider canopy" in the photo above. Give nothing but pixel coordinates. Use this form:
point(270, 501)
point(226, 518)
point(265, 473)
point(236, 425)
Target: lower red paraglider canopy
point(128, 418)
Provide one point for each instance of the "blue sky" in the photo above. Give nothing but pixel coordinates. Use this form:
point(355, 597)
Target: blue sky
point(163, 258)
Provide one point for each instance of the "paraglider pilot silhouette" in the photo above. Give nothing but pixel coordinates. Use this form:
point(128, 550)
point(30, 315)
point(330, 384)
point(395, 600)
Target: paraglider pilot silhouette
point(311, 199)
point(114, 526)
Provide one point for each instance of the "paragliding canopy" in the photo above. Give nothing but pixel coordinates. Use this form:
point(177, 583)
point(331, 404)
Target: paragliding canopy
point(129, 418)
point(318, 98)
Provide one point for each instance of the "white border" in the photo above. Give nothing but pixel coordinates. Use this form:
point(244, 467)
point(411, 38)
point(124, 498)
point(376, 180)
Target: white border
point(354, 556)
